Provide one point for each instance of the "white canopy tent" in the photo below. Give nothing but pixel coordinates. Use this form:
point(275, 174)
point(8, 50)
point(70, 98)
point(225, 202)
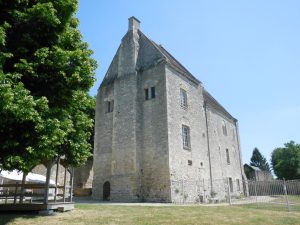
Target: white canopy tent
point(13, 176)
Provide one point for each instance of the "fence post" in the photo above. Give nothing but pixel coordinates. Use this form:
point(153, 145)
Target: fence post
point(16, 191)
point(228, 192)
point(255, 190)
point(204, 197)
point(286, 195)
point(183, 194)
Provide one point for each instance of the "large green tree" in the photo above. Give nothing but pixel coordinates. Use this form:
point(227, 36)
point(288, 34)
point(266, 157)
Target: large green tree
point(286, 161)
point(258, 160)
point(46, 71)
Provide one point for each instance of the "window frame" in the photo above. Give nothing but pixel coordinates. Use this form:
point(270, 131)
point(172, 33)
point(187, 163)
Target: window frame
point(183, 98)
point(146, 94)
point(109, 106)
point(224, 128)
point(227, 156)
point(230, 184)
point(238, 184)
point(149, 93)
point(186, 137)
point(153, 93)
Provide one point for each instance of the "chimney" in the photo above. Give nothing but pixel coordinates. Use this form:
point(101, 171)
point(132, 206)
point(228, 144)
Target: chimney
point(134, 24)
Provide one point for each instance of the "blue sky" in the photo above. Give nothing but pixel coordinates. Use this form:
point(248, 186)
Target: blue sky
point(246, 53)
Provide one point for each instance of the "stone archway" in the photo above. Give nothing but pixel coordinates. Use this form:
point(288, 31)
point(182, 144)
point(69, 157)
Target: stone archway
point(106, 191)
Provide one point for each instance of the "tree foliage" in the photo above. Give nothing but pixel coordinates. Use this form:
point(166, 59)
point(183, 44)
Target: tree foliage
point(286, 161)
point(46, 71)
point(258, 160)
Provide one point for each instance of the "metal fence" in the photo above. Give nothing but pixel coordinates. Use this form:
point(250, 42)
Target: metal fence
point(274, 194)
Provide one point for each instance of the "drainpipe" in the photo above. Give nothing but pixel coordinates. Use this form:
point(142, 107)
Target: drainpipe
point(208, 147)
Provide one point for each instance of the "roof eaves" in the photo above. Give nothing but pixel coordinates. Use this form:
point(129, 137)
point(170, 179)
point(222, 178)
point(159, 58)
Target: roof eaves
point(216, 105)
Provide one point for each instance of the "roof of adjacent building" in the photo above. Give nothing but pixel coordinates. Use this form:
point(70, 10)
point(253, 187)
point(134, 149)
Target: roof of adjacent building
point(253, 167)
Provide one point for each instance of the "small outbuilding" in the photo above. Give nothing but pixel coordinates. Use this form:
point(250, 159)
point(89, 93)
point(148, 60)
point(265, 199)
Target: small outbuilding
point(255, 173)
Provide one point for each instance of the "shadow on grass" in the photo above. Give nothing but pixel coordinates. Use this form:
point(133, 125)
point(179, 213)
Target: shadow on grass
point(9, 216)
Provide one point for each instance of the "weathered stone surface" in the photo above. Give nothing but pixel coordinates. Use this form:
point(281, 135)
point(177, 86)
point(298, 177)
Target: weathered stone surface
point(138, 146)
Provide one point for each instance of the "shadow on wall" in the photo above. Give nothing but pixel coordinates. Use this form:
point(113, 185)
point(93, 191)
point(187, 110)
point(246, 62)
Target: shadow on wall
point(83, 179)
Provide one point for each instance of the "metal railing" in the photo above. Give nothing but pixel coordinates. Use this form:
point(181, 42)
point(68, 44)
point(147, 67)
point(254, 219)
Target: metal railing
point(275, 194)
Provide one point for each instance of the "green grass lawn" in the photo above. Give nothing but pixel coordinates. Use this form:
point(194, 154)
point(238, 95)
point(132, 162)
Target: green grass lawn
point(112, 214)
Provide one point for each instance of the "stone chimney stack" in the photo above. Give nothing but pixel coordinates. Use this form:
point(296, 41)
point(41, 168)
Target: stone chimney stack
point(134, 24)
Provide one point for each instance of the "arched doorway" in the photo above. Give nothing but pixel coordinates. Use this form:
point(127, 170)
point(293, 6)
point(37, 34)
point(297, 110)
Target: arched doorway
point(106, 191)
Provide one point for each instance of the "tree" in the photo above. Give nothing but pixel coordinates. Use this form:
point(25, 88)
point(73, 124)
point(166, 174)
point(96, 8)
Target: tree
point(46, 71)
point(286, 161)
point(258, 160)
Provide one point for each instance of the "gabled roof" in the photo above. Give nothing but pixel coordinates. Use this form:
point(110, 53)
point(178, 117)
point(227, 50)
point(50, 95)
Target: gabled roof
point(171, 60)
point(216, 105)
point(253, 167)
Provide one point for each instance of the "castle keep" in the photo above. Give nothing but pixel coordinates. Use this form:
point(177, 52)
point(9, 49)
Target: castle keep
point(157, 129)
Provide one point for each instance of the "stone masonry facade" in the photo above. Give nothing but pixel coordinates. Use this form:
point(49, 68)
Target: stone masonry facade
point(157, 128)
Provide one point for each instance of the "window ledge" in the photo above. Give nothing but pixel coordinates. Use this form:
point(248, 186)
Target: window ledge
point(187, 148)
point(184, 107)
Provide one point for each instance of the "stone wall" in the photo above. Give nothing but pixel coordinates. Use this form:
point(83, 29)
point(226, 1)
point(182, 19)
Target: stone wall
point(152, 136)
point(218, 143)
point(193, 117)
point(41, 169)
point(83, 176)
point(138, 146)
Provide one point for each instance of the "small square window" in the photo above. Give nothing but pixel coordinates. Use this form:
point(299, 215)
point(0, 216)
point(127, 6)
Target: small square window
point(109, 106)
point(190, 162)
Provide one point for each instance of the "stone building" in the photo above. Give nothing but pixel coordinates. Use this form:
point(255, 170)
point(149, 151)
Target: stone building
point(158, 132)
point(254, 173)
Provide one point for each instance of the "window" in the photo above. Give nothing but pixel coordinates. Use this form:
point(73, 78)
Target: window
point(230, 184)
point(183, 98)
point(224, 128)
point(186, 137)
point(146, 94)
point(227, 156)
point(110, 106)
point(190, 162)
point(238, 185)
point(152, 93)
